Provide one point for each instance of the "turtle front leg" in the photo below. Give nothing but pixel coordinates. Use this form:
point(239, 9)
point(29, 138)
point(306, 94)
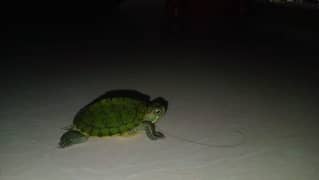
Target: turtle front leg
point(150, 131)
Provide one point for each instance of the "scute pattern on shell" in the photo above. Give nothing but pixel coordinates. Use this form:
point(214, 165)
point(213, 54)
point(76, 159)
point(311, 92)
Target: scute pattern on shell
point(110, 116)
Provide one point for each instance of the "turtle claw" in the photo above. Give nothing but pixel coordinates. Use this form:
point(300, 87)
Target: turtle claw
point(159, 135)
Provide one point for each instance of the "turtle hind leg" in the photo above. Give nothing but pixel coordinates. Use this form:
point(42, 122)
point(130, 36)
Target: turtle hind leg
point(72, 137)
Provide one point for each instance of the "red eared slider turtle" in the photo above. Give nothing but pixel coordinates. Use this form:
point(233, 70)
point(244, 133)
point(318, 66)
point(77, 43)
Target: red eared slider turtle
point(116, 113)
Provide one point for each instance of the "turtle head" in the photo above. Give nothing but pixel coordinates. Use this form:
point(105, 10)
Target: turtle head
point(155, 111)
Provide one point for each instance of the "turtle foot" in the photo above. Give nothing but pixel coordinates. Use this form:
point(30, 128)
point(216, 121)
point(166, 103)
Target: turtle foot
point(151, 132)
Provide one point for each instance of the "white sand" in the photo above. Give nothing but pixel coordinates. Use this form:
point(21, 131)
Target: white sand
point(208, 103)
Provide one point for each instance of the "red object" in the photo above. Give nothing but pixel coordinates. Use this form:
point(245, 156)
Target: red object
point(206, 7)
point(199, 13)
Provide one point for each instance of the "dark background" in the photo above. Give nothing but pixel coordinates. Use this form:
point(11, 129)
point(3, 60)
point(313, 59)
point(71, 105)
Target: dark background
point(50, 28)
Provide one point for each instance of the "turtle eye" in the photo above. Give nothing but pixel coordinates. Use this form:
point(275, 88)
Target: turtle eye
point(157, 111)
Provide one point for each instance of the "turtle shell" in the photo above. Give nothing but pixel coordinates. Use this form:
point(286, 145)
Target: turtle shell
point(110, 116)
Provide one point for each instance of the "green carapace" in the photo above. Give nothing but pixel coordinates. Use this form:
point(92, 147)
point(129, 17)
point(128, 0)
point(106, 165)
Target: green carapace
point(120, 112)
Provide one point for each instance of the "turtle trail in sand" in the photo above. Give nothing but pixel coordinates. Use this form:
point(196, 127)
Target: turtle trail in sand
point(118, 112)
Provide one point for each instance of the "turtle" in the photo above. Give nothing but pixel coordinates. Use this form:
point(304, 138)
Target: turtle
point(123, 113)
